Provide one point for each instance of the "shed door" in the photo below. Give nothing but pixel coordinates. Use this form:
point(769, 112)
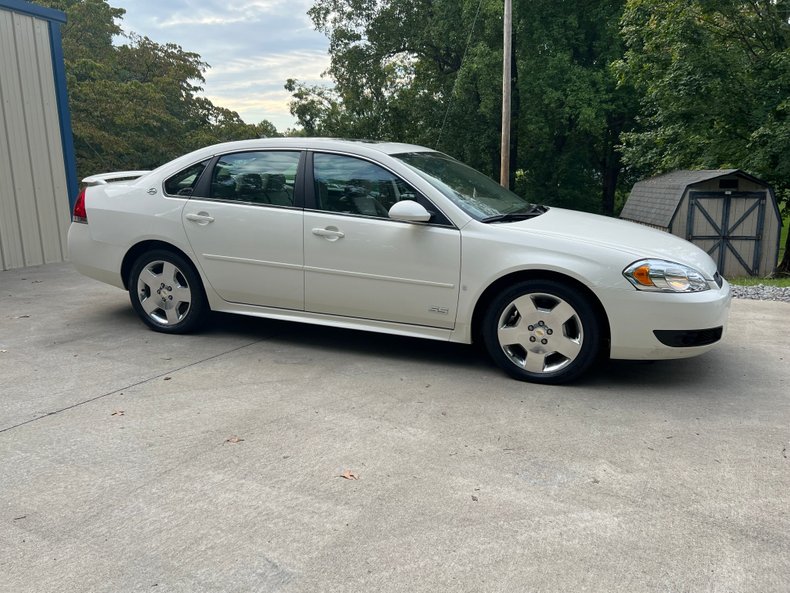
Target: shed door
point(729, 226)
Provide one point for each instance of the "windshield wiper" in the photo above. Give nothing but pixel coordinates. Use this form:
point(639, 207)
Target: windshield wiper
point(534, 211)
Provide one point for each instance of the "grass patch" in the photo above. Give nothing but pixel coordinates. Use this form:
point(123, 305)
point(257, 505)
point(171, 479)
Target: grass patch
point(751, 281)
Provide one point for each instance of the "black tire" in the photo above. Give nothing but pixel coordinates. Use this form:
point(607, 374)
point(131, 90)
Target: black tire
point(542, 331)
point(167, 293)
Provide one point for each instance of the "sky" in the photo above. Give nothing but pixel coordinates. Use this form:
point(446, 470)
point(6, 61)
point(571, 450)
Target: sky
point(252, 46)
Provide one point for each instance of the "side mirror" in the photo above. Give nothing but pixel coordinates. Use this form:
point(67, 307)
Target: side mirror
point(409, 211)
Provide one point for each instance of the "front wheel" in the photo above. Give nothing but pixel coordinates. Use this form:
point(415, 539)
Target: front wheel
point(542, 331)
point(166, 292)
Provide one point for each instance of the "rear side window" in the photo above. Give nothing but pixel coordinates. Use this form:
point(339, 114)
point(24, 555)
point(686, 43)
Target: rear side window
point(266, 177)
point(183, 183)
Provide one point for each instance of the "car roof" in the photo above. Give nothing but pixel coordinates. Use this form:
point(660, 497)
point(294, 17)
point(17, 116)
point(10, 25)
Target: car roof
point(368, 148)
point(357, 146)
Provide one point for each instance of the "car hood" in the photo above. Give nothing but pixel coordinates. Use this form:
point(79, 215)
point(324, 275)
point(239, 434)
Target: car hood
point(627, 237)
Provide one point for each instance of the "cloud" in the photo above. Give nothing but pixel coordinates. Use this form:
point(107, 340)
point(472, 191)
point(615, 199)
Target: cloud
point(301, 64)
point(228, 13)
point(253, 47)
point(201, 19)
point(253, 86)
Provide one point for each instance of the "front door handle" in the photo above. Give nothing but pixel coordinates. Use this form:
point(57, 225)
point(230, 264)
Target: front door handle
point(202, 218)
point(329, 233)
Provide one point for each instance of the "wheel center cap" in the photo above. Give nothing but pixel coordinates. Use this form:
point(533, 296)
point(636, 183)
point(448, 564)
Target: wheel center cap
point(540, 332)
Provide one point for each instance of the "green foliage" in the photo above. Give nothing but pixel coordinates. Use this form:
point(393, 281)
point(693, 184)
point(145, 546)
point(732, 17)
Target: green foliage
point(754, 281)
point(402, 70)
point(136, 105)
point(714, 81)
point(655, 84)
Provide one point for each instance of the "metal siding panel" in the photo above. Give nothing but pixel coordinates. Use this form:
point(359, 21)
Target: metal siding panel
point(11, 249)
point(16, 122)
point(25, 7)
point(37, 142)
point(53, 199)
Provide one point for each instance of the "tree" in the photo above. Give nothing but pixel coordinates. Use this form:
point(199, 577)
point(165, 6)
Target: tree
point(136, 105)
point(429, 72)
point(572, 111)
point(714, 78)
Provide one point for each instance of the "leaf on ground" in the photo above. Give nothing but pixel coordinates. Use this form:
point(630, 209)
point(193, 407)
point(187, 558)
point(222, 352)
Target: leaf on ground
point(474, 498)
point(23, 317)
point(349, 475)
point(117, 413)
point(234, 439)
point(167, 378)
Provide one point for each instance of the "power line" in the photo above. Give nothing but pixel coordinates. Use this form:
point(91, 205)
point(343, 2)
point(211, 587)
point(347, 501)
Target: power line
point(458, 74)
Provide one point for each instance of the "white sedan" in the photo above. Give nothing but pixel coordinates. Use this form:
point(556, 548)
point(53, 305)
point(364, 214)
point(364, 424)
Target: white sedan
point(399, 239)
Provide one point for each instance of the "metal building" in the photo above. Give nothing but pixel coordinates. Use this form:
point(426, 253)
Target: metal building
point(37, 167)
point(728, 213)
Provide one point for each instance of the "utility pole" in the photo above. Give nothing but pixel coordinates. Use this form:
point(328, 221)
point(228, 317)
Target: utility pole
point(504, 171)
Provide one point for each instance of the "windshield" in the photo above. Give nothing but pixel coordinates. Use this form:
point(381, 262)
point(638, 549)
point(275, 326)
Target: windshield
point(477, 195)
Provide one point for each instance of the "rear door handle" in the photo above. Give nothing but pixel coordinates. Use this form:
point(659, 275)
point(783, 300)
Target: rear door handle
point(330, 233)
point(200, 217)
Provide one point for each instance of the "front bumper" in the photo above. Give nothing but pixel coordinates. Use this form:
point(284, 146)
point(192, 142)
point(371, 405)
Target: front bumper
point(654, 326)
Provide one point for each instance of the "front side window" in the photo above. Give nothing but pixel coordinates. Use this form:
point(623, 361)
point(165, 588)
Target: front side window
point(183, 183)
point(266, 177)
point(479, 196)
point(353, 186)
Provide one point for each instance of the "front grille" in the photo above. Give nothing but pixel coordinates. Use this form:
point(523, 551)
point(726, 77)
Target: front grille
point(718, 279)
point(683, 338)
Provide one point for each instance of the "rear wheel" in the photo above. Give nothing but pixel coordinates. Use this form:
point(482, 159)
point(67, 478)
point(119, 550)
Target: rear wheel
point(542, 331)
point(166, 292)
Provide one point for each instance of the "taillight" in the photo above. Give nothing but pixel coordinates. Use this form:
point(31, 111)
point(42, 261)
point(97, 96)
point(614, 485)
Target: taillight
point(80, 214)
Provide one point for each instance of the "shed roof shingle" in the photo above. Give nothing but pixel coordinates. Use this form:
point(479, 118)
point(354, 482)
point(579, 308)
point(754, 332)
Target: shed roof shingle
point(655, 200)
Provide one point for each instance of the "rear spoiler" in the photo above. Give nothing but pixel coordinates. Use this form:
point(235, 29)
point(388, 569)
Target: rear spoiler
point(105, 178)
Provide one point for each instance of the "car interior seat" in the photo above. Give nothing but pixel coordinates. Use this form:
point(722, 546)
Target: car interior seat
point(277, 192)
point(223, 185)
point(249, 187)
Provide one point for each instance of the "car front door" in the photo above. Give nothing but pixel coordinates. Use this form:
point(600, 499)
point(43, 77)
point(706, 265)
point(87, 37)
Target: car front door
point(360, 263)
point(245, 227)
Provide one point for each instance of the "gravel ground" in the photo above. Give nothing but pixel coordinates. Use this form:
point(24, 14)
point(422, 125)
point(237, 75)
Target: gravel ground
point(760, 292)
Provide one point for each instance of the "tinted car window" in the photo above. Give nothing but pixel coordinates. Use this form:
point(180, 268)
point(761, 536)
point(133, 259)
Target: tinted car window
point(183, 182)
point(256, 177)
point(479, 196)
point(354, 186)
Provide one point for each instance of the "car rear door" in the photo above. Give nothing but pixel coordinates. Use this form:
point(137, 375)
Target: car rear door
point(244, 224)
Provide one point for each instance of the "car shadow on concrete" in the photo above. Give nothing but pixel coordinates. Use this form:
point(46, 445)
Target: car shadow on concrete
point(352, 342)
point(666, 375)
point(670, 374)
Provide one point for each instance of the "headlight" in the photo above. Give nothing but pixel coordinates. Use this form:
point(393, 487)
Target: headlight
point(665, 276)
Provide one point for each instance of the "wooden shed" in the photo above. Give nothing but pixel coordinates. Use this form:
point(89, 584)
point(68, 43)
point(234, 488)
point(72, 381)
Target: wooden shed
point(37, 171)
point(728, 213)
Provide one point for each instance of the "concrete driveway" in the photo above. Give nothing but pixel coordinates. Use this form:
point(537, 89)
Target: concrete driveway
point(135, 461)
